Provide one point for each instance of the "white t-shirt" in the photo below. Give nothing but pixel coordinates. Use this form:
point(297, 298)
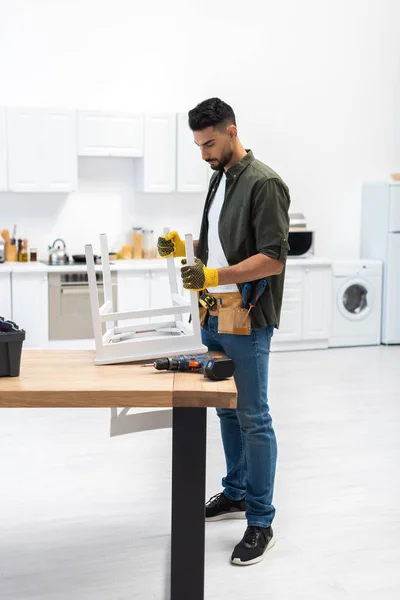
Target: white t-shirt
point(216, 256)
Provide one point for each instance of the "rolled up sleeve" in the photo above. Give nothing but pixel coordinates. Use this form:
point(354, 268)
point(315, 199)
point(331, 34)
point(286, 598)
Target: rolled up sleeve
point(270, 218)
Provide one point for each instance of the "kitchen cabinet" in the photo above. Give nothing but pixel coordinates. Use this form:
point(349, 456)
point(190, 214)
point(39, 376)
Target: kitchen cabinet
point(291, 325)
point(133, 293)
point(5, 295)
point(110, 134)
point(156, 171)
point(306, 308)
point(42, 152)
point(30, 307)
point(317, 303)
point(192, 171)
point(145, 289)
point(3, 151)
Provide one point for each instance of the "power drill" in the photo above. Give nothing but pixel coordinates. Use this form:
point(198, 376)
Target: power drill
point(213, 367)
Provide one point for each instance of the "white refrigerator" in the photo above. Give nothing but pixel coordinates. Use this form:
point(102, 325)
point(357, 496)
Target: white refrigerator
point(380, 238)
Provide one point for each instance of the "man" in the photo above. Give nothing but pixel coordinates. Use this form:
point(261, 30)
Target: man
point(243, 239)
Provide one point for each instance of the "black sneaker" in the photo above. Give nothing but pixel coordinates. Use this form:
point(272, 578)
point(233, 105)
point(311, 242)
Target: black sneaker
point(220, 507)
point(251, 549)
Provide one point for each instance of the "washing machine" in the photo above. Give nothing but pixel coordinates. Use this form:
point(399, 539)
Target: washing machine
point(356, 303)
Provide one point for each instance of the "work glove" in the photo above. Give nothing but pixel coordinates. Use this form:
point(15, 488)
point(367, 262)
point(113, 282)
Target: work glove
point(171, 245)
point(198, 277)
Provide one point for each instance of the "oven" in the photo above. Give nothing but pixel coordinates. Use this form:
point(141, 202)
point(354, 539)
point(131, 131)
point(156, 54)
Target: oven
point(70, 316)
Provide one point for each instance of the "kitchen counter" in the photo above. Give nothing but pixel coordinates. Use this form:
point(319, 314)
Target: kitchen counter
point(132, 265)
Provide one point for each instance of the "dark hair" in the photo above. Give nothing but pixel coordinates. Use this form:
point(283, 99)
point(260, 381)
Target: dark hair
point(211, 113)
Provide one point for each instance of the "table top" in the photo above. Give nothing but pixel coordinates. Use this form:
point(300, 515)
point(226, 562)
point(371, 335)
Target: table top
point(69, 378)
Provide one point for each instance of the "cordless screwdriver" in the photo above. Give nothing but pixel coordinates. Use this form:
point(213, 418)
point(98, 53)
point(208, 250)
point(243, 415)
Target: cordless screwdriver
point(213, 367)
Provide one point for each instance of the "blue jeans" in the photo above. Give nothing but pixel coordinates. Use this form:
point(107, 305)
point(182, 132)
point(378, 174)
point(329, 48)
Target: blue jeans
point(248, 436)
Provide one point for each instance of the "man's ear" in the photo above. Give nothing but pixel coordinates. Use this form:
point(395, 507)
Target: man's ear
point(232, 131)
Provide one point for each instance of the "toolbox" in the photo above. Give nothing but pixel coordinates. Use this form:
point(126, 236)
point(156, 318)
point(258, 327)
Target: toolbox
point(10, 352)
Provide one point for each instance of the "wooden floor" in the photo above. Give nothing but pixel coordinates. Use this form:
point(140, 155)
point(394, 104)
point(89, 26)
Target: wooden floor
point(86, 517)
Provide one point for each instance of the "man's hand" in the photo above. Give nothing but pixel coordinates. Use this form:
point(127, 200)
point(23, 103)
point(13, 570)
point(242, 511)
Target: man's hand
point(198, 277)
point(171, 245)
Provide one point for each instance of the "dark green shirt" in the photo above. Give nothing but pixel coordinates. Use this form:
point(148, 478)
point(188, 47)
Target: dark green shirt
point(254, 219)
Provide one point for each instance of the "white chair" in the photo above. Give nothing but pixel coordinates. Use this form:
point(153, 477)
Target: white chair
point(146, 341)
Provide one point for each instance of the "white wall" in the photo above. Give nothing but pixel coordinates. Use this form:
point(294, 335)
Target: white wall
point(315, 85)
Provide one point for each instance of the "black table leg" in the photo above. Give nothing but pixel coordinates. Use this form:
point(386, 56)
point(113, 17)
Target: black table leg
point(188, 498)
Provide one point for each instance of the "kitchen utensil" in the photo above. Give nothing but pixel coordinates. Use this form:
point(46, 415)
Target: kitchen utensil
point(81, 258)
point(58, 255)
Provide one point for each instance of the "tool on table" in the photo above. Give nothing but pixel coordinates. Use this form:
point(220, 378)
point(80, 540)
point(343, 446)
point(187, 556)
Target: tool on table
point(257, 290)
point(208, 301)
point(213, 367)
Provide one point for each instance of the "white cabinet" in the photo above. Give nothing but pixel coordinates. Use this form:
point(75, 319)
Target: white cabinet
point(156, 172)
point(145, 289)
point(110, 134)
point(30, 307)
point(42, 153)
point(133, 293)
point(306, 308)
point(291, 326)
point(3, 151)
point(317, 303)
point(5, 295)
point(192, 171)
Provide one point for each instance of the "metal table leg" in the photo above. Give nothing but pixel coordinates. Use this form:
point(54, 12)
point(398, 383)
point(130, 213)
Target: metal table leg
point(188, 498)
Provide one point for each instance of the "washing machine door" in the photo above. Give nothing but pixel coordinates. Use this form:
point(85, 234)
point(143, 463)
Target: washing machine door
point(355, 299)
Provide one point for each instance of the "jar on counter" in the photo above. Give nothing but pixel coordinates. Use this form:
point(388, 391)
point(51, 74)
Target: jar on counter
point(137, 242)
point(33, 254)
point(148, 251)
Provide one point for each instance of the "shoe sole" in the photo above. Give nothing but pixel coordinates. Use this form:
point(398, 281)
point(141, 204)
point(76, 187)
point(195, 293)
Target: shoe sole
point(254, 561)
point(229, 515)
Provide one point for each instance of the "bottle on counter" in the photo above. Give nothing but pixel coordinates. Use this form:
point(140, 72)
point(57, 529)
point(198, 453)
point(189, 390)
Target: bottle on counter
point(137, 242)
point(19, 249)
point(148, 251)
point(33, 255)
point(24, 251)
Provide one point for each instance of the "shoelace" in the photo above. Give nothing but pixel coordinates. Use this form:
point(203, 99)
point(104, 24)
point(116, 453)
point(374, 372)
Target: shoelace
point(214, 500)
point(251, 535)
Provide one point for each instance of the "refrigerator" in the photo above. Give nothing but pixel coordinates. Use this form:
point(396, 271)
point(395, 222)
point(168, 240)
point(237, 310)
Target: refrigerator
point(380, 239)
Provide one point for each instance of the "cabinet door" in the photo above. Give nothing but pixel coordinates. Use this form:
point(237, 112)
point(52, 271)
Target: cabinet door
point(291, 321)
point(24, 144)
point(30, 307)
point(160, 293)
point(192, 171)
point(108, 134)
point(159, 162)
point(317, 303)
point(5, 295)
point(42, 154)
point(59, 151)
point(133, 294)
point(3, 151)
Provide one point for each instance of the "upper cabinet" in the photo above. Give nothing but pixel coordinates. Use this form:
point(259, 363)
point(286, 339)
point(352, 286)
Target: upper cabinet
point(192, 171)
point(110, 134)
point(156, 172)
point(3, 151)
point(42, 153)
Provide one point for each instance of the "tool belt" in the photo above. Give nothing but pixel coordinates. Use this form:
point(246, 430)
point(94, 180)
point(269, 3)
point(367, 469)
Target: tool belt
point(231, 317)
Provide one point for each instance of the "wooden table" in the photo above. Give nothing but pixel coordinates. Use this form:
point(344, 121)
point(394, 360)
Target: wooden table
point(70, 379)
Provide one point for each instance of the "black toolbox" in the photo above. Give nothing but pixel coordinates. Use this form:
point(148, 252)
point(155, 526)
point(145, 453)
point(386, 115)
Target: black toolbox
point(10, 352)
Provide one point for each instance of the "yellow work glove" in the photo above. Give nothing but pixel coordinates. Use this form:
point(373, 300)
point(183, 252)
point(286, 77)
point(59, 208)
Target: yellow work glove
point(198, 277)
point(171, 245)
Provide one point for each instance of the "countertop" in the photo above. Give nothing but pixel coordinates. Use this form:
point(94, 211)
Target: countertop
point(69, 378)
point(133, 265)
